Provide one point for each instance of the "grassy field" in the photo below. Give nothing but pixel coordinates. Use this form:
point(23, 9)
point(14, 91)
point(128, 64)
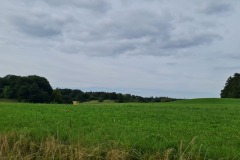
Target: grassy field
point(194, 129)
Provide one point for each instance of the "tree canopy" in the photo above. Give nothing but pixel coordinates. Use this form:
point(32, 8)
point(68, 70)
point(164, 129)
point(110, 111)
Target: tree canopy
point(232, 87)
point(27, 89)
point(38, 90)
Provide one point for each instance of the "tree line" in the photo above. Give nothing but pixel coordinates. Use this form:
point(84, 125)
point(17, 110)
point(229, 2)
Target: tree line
point(36, 89)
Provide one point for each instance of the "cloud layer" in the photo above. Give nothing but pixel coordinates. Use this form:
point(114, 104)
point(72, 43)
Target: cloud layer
point(155, 40)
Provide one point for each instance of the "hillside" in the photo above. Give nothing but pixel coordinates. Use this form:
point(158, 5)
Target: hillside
point(209, 101)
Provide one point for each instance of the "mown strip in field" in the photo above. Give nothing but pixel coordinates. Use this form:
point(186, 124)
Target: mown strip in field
point(146, 128)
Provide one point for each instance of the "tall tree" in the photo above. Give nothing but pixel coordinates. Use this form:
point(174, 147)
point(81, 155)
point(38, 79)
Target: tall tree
point(232, 87)
point(23, 93)
point(7, 92)
point(57, 96)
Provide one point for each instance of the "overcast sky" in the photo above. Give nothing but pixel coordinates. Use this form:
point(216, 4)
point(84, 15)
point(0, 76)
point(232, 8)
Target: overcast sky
point(175, 48)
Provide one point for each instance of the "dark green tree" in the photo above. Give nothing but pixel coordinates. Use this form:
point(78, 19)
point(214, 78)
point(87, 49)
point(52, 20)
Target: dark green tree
point(57, 96)
point(23, 93)
point(34, 93)
point(41, 82)
point(1, 87)
point(232, 87)
point(119, 98)
point(7, 92)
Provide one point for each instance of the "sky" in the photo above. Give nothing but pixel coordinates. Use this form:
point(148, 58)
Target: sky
point(174, 48)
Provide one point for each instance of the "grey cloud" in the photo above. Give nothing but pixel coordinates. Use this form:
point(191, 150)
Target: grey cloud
point(227, 68)
point(93, 5)
point(192, 41)
point(172, 63)
point(125, 33)
point(216, 8)
point(39, 24)
point(104, 48)
point(37, 30)
point(141, 23)
point(135, 30)
point(231, 56)
point(131, 25)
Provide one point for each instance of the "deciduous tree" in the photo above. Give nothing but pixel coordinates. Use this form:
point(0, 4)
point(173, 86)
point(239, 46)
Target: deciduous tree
point(232, 87)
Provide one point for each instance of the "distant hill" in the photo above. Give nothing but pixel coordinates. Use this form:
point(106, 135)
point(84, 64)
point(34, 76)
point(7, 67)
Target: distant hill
point(210, 101)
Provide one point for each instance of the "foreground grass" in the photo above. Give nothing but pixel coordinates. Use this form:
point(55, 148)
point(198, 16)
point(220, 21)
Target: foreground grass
point(18, 146)
point(136, 131)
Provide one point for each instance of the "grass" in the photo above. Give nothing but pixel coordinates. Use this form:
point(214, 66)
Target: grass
point(18, 146)
point(97, 102)
point(196, 129)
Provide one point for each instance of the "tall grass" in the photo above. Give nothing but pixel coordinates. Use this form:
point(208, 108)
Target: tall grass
point(21, 146)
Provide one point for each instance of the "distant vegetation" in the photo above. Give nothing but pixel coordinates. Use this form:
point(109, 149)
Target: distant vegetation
point(232, 87)
point(26, 89)
point(37, 89)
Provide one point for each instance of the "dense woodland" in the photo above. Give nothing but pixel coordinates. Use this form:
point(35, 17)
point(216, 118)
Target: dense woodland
point(26, 89)
point(37, 89)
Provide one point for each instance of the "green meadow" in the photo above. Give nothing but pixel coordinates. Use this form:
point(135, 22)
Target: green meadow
point(185, 129)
